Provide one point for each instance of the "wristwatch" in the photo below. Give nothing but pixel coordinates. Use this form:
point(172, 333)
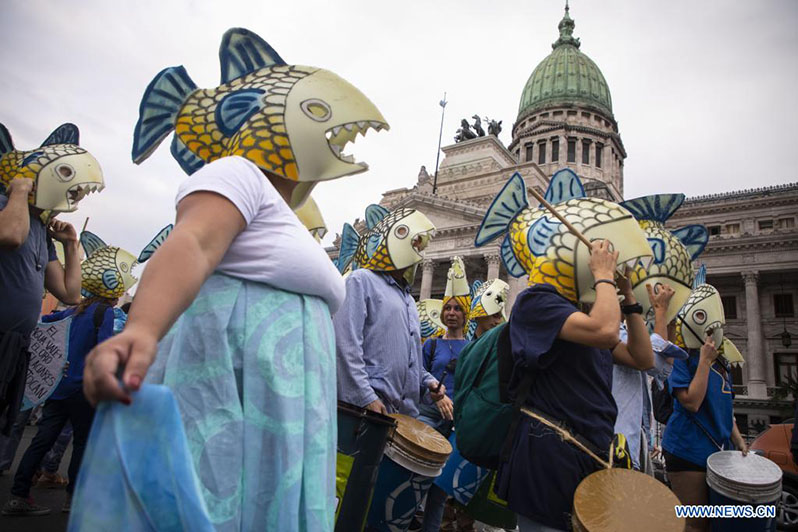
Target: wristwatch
point(635, 308)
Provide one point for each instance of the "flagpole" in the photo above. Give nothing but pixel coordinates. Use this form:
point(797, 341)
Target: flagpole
point(442, 103)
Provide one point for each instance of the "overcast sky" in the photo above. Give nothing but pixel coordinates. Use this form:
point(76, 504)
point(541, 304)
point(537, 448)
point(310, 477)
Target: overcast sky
point(704, 92)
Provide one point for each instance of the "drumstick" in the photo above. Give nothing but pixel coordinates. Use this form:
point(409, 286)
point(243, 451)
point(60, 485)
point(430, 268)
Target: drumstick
point(578, 234)
point(85, 223)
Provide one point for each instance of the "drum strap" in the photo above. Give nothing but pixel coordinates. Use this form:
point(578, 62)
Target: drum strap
point(705, 431)
point(562, 429)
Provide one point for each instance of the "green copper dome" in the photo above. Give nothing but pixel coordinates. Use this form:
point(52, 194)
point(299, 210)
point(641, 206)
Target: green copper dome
point(566, 76)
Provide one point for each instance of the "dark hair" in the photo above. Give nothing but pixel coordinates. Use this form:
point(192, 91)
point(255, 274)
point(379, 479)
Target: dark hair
point(86, 302)
point(126, 308)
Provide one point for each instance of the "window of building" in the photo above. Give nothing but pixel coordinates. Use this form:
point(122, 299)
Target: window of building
point(733, 229)
point(783, 305)
point(765, 225)
point(542, 152)
point(585, 152)
point(787, 223)
point(599, 149)
point(742, 422)
point(555, 150)
point(571, 150)
point(529, 152)
point(785, 364)
point(557, 113)
point(713, 230)
point(729, 306)
point(571, 113)
point(533, 119)
point(585, 115)
point(544, 115)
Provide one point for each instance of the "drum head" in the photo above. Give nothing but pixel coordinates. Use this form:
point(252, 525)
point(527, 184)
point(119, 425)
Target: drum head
point(752, 478)
point(621, 499)
point(415, 442)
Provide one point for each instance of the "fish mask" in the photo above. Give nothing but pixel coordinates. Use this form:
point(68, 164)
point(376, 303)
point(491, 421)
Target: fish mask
point(393, 241)
point(63, 173)
point(490, 297)
point(457, 286)
point(293, 121)
point(108, 270)
point(541, 246)
point(673, 251)
point(310, 216)
point(429, 315)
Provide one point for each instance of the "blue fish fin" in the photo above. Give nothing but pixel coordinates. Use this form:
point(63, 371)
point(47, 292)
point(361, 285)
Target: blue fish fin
point(6, 144)
point(63, 134)
point(472, 327)
point(110, 279)
point(189, 162)
point(91, 242)
point(700, 276)
point(511, 263)
point(474, 287)
point(242, 52)
point(657, 207)
point(510, 201)
point(155, 243)
point(159, 108)
point(31, 157)
point(564, 185)
point(658, 247)
point(539, 235)
point(236, 108)
point(694, 237)
point(349, 241)
point(374, 215)
point(373, 242)
point(85, 293)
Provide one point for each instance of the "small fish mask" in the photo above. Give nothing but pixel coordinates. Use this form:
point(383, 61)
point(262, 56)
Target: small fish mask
point(490, 297)
point(393, 241)
point(541, 246)
point(429, 315)
point(701, 316)
point(293, 121)
point(108, 270)
point(310, 216)
point(457, 288)
point(673, 252)
point(63, 173)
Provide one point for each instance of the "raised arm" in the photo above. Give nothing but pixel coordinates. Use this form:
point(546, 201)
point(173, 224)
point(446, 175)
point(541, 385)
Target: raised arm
point(636, 352)
point(14, 218)
point(64, 283)
point(692, 397)
point(206, 225)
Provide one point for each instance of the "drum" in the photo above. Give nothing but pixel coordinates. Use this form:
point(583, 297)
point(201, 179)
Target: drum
point(460, 478)
point(413, 458)
point(623, 499)
point(735, 479)
point(362, 435)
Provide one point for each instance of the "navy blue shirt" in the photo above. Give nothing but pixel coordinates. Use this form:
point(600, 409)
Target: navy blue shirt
point(82, 338)
point(445, 351)
point(22, 277)
point(573, 382)
point(683, 437)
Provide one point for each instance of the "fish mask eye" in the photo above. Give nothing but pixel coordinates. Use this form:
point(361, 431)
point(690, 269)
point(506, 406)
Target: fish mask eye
point(123, 267)
point(699, 316)
point(401, 231)
point(316, 109)
point(657, 288)
point(434, 313)
point(65, 172)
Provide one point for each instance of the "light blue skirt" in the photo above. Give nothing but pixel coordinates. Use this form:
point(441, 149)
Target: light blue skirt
point(253, 371)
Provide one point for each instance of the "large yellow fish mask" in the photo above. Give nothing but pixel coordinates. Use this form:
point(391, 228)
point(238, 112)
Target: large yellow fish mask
point(310, 216)
point(293, 121)
point(541, 246)
point(63, 173)
point(429, 315)
point(490, 297)
point(108, 270)
point(393, 241)
point(673, 251)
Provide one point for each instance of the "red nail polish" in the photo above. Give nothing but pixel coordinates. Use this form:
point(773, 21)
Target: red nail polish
point(135, 382)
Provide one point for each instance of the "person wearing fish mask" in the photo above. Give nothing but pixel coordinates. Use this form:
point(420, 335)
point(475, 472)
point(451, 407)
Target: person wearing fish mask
point(35, 186)
point(557, 348)
point(240, 295)
point(488, 307)
point(377, 330)
point(702, 421)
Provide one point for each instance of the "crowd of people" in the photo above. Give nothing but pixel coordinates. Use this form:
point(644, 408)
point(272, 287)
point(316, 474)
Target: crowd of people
point(257, 335)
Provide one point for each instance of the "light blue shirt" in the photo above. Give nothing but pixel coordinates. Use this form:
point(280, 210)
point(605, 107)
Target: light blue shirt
point(378, 344)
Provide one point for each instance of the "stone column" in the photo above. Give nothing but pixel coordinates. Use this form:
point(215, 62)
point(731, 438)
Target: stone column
point(493, 266)
point(427, 268)
point(517, 285)
point(755, 358)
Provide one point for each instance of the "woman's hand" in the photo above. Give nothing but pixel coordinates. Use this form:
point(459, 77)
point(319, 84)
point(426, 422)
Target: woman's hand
point(436, 393)
point(446, 408)
point(134, 349)
point(602, 261)
point(708, 351)
point(662, 298)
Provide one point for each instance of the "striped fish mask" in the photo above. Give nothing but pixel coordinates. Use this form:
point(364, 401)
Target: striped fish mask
point(63, 173)
point(673, 251)
point(538, 244)
point(108, 270)
point(429, 315)
point(457, 288)
point(293, 121)
point(394, 241)
point(490, 297)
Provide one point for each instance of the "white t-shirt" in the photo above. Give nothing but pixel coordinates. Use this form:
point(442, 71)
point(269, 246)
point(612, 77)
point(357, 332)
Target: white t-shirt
point(274, 248)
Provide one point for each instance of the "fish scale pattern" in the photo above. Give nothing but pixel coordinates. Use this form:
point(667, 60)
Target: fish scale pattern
point(11, 163)
point(380, 260)
point(676, 263)
point(92, 269)
point(263, 138)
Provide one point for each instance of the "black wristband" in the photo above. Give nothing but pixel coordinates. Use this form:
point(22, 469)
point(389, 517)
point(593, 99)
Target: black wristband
point(608, 281)
point(634, 308)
